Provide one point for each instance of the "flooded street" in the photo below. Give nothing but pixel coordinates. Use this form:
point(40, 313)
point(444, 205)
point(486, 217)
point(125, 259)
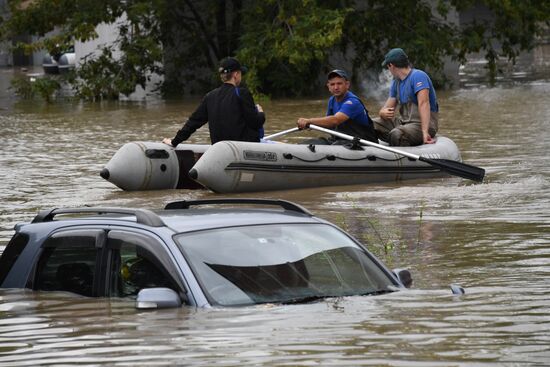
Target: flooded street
point(491, 238)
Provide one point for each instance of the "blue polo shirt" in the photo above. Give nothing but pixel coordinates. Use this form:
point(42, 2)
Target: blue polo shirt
point(412, 84)
point(351, 106)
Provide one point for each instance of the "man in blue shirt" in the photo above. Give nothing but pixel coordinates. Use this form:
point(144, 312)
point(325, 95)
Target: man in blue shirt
point(345, 114)
point(413, 95)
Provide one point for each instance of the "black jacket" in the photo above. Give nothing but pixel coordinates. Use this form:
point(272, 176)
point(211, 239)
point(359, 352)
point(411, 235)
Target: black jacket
point(231, 115)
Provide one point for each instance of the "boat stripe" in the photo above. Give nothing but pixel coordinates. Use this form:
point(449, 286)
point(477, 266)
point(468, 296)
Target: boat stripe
point(328, 169)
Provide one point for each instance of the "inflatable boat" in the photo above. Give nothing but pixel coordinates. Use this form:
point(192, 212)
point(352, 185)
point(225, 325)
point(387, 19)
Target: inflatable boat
point(231, 166)
point(140, 166)
point(60, 63)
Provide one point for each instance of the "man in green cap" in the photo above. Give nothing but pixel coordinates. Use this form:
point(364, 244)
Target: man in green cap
point(412, 94)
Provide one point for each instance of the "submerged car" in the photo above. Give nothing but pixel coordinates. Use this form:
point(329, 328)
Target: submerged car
point(219, 252)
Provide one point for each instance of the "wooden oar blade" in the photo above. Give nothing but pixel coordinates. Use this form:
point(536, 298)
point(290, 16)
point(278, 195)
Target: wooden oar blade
point(457, 168)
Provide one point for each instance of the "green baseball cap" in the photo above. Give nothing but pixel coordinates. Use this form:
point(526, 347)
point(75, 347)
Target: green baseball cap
point(395, 56)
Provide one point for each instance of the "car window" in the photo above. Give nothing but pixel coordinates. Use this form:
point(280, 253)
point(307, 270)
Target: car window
point(133, 265)
point(280, 263)
point(68, 262)
point(11, 253)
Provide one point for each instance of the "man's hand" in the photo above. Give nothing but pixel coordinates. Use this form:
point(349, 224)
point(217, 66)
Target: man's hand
point(427, 138)
point(387, 113)
point(302, 123)
point(167, 141)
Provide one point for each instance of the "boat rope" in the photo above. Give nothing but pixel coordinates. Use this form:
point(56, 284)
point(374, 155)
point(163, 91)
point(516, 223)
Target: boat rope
point(291, 156)
point(331, 157)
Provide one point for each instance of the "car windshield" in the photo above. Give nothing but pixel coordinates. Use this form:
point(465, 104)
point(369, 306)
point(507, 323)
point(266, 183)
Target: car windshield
point(280, 263)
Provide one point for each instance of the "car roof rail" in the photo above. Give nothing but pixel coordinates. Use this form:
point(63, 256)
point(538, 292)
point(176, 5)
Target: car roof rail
point(287, 205)
point(143, 216)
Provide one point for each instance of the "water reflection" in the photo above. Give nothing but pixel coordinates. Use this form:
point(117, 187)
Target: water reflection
point(492, 238)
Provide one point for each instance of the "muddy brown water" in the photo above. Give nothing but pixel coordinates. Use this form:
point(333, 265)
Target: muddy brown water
point(492, 238)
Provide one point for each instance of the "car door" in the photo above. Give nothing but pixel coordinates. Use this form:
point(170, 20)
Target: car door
point(135, 261)
point(102, 262)
point(70, 260)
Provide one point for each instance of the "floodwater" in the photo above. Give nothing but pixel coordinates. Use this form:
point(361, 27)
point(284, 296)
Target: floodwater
point(491, 238)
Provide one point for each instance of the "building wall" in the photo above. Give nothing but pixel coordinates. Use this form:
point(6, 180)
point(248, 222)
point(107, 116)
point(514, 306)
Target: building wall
point(107, 35)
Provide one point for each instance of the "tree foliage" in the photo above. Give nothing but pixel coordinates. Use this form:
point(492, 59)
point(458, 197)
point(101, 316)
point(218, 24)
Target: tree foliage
point(516, 27)
point(421, 31)
point(286, 44)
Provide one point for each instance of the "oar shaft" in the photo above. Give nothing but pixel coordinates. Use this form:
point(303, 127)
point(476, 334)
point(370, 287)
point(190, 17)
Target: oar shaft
point(281, 133)
point(366, 142)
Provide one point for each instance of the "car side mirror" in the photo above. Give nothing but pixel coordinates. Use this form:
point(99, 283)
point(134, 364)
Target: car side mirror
point(404, 276)
point(154, 298)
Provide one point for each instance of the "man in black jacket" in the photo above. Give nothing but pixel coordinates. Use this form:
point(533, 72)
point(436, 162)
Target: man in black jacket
point(229, 110)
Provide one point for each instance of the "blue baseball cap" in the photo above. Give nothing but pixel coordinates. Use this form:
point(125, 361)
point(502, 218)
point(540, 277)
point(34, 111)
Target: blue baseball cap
point(339, 73)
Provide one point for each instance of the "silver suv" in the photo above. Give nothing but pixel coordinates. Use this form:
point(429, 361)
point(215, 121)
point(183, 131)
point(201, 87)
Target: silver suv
point(220, 252)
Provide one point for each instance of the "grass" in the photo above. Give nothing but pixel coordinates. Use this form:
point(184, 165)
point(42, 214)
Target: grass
point(383, 239)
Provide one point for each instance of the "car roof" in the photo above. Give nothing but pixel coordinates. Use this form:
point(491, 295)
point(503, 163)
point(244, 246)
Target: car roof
point(182, 216)
point(192, 220)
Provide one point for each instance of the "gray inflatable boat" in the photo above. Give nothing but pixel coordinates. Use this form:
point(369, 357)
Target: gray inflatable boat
point(231, 166)
point(142, 165)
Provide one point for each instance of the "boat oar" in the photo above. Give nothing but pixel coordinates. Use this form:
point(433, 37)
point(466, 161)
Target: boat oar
point(281, 133)
point(453, 167)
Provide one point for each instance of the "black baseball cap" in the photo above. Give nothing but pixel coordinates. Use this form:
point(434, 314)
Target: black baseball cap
point(337, 72)
point(230, 64)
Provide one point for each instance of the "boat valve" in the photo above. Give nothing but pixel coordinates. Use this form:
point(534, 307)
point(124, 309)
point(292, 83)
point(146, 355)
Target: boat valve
point(105, 174)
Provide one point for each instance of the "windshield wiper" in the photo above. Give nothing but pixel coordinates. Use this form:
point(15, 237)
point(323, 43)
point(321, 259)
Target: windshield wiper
point(313, 298)
point(377, 292)
point(306, 299)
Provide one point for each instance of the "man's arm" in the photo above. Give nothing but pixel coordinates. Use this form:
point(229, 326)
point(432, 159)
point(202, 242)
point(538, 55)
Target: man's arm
point(387, 112)
point(327, 121)
point(423, 97)
point(254, 116)
point(197, 119)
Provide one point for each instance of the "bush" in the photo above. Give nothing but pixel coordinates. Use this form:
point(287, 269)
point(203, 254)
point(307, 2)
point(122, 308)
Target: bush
point(29, 87)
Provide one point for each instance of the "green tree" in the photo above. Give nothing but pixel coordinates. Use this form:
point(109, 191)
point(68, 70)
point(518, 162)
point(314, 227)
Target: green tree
point(515, 28)
point(287, 44)
point(410, 24)
point(424, 30)
point(196, 36)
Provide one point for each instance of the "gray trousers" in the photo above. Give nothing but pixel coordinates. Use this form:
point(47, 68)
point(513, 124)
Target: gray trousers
point(404, 133)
